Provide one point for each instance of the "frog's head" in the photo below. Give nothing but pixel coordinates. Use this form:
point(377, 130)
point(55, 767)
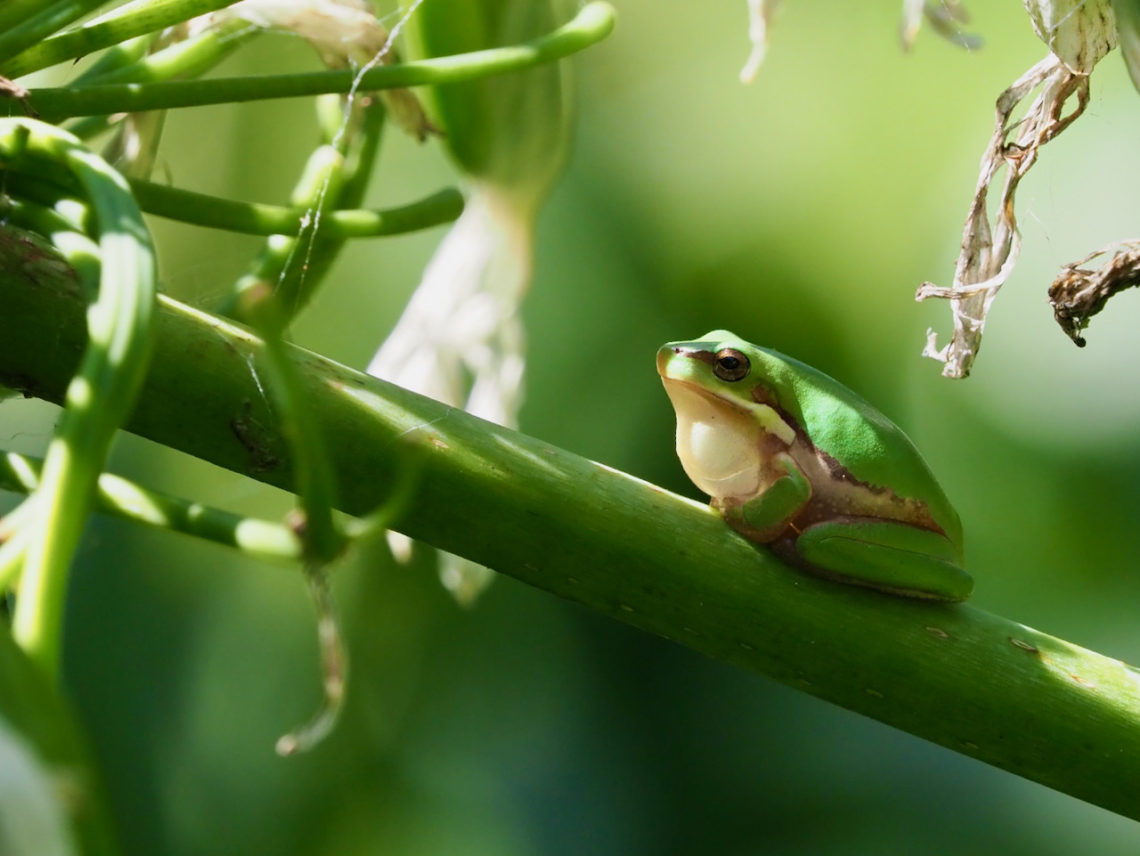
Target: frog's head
point(725, 434)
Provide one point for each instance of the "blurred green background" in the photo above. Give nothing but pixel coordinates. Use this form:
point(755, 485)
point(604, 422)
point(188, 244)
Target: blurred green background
point(801, 212)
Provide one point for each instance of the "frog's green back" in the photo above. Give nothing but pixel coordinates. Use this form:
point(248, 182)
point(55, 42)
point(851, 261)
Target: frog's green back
point(841, 422)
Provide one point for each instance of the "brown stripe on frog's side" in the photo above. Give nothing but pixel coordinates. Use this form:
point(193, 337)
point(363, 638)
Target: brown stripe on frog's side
point(848, 496)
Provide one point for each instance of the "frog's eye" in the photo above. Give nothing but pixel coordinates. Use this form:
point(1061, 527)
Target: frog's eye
point(729, 364)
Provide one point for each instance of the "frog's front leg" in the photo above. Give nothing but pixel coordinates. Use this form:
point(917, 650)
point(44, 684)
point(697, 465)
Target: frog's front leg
point(887, 555)
point(765, 517)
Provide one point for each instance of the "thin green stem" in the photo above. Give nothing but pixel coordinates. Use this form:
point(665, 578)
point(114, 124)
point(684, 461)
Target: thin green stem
point(122, 498)
point(13, 544)
point(130, 63)
point(187, 58)
point(336, 176)
point(359, 147)
point(255, 218)
point(102, 391)
point(354, 131)
point(315, 484)
point(126, 22)
point(122, 54)
point(259, 303)
point(592, 23)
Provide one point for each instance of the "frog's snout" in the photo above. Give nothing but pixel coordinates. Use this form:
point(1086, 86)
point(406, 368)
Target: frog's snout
point(664, 354)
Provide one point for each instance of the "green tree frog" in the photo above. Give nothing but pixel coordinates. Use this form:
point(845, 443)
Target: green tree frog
point(797, 461)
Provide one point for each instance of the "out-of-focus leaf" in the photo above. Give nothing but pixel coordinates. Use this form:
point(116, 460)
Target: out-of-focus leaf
point(1128, 35)
point(511, 129)
point(33, 821)
point(51, 796)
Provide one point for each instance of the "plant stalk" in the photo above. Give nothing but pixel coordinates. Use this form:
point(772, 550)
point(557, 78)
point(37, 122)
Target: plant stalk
point(976, 683)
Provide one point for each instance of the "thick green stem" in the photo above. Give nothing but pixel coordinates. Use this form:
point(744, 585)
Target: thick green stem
point(589, 26)
point(977, 683)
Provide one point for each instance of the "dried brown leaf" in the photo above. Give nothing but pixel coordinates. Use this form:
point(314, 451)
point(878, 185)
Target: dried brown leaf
point(1079, 293)
point(990, 245)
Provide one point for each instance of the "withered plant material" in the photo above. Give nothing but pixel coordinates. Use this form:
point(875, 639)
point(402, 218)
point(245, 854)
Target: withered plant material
point(1079, 293)
point(1079, 33)
point(759, 19)
point(10, 89)
point(990, 246)
point(345, 33)
point(946, 17)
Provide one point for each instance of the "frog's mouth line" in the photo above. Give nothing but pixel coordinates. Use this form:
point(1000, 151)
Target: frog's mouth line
point(768, 418)
point(708, 395)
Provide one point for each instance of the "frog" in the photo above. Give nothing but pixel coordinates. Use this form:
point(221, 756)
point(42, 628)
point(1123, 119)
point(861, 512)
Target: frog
point(796, 461)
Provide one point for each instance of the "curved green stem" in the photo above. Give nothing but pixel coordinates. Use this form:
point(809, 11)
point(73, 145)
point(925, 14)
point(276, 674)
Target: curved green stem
point(593, 23)
point(100, 395)
point(63, 225)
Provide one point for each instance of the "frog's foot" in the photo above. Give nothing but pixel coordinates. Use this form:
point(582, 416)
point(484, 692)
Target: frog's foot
point(768, 516)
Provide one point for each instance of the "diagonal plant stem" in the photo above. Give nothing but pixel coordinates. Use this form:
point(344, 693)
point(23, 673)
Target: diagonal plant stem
point(353, 128)
point(30, 23)
point(977, 683)
point(125, 22)
point(296, 259)
point(592, 23)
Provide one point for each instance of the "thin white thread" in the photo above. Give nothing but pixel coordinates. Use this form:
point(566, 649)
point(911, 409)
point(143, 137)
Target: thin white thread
point(314, 213)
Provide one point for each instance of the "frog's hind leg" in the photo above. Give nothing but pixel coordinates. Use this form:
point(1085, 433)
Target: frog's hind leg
point(888, 556)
